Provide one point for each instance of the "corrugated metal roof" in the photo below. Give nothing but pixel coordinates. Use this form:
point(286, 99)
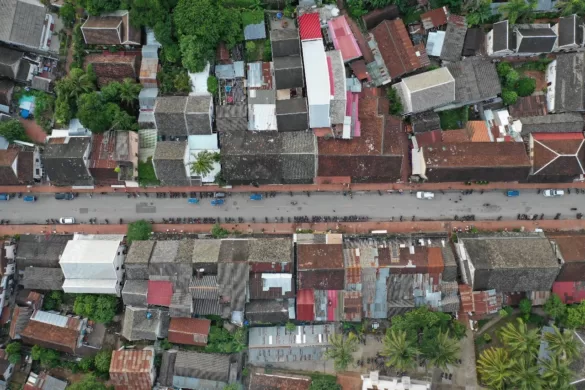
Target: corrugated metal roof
point(50, 318)
point(343, 38)
point(310, 27)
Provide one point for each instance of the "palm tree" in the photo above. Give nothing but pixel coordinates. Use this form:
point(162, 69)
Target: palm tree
point(570, 7)
point(442, 352)
point(518, 10)
point(341, 350)
point(203, 164)
point(400, 352)
point(525, 375)
point(479, 12)
point(129, 90)
point(494, 366)
point(75, 84)
point(521, 340)
point(557, 373)
point(562, 344)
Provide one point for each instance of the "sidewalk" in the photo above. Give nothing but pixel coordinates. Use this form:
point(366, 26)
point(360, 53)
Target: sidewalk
point(499, 186)
point(289, 228)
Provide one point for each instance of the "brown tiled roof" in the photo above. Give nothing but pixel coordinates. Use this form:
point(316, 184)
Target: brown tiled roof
point(319, 256)
point(7, 157)
point(478, 131)
point(396, 47)
point(51, 336)
point(528, 106)
point(192, 331)
point(359, 70)
point(375, 17)
point(571, 245)
point(326, 279)
point(102, 30)
point(476, 154)
point(113, 67)
point(435, 18)
point(455, 136)
point(25, 167)
point(361, 40)
point(349, 380)
point(131, 368)
point(276, 381)
point(564, 156)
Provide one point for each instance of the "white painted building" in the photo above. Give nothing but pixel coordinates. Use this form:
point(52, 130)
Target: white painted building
point(318, 83)
point(374, 381)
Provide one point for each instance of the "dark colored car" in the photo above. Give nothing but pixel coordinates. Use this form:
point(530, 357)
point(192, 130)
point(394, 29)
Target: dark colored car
point(64, 196)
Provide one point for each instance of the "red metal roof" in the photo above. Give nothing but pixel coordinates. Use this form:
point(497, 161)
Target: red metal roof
point(305, 305)
point(160, 293)
point(343, 38)
point(479, 302)
point(569, 292)
point(310, 27)
point(332, 298)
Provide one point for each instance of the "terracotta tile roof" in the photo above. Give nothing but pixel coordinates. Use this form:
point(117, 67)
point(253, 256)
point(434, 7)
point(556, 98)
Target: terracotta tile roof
point(475, 154)
point(63, 339)
point(7, 157)
point(349, 380)
point(113, 67)
point(131, 369)
point(319, 256)
point(478, 131)
point(103, 149)
point(455, 136)
point(571, 245)
point(276, 381)
point(396, 47)
point(191, 331)
point(435, 18)
point(429, 137)
point(558, 154)
point(310, 26)
point(305, 305)
point(359, 70)
point(160, 293)
point(528, 106)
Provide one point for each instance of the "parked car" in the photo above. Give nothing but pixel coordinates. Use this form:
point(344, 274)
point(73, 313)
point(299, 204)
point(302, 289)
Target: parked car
point(67, 220)
point(217, 202)
point(4, 196)
point(30, 198)
point(219, 195)
point(553, 193)
point(513, 193)
point(64, 196)
point(425, 195)
point(256, 197)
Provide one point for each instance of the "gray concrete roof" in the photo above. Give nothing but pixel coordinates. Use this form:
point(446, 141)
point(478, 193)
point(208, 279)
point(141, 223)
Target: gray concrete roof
point(140, 252)
point(170, 150)
point(206, 251)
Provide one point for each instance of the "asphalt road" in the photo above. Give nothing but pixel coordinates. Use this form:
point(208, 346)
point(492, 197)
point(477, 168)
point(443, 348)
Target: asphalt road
point(487, 206)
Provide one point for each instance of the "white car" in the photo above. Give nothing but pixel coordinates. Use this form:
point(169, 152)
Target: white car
point(425, 195)
point(67, 220)
point(553, 193)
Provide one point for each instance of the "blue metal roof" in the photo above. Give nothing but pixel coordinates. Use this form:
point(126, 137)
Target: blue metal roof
point(255, 31)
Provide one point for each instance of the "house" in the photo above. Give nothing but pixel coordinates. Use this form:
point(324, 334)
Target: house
point(160, 293)
point(474, 44)
point(169, 163)
point(565, 90)
point(292, 114)
point(425, 91)
point(148, 71)
point(40, 250)
point(16, 167)
point(137, 260)
point(27, 302)
point(13, 65)
point(114, 158)
point(44, 279)
point(198, 144)
point(396, 48)
point(232, 281)
point(570, 292)
point(529, 106)
point(185, 369)
point(318, 81)
point(338, 87)
point(568, 247)
point(26, 24)
point(470, 161)
point(435, 18)
point(425, 121)
point(374, 379)
point(285, 42)
point(270, 311)
point(556, 157)
point(476, 80)
point(569, 29)
point(320, 266)
point(6, 369)
point(286, 158)
point(54, 331)
point(271, 286)
point(6, 90)
point(521, 40)
point(190, 331)
point(110, 68)
point(269, 345)
point(553, 123)
point(343, 38)
point(377, 16)
point(111, 29)
point(133, 369)
point(144, 324)
point(171, 261)
point(181, 304)
point(231, 118)
point(454, 38)
point(259, 379)
point(147, 98)
point(288, 72)
point(205, 257)
point(93, 266)
point(181, 116)
point(205, 292)
point(262, 96)
point(376, 155)
point(66, 161)
point(507, 262)
point(254, 27)
point(310, 27)
point(480, 303)
point(135, 293)
point(44, 381)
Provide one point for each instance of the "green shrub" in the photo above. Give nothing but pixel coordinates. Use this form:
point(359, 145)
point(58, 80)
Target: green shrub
point(509, 97)
point(525, 86)
point(212, 85)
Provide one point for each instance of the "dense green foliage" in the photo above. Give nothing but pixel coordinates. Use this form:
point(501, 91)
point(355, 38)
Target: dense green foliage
point(570, 7)
point(223, 341)
point(478, 12)
point(13, 130)
point(48, 358)
point(204, 163)
point(67, 14)
point(146, 173)
point(554, 307)
point(454, 119)
point(13, 351)
point(525, 86)
point(396, 107)
point(124, 93)
point(53, 300)
point(341, 350)
point(138, 231)
point(518, 11)
point(98, 308)
point(89, 382)
point(525, 307)
point(99, 115)
point(212, 85)
point(323, 382)
point(97, 7)
point(509, 97)
point(102, 361)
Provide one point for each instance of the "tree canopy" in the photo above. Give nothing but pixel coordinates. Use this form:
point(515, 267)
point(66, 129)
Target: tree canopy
point(98, 115)
point(138, 231)
point(99, 308)
point(89, 382)
point(341, 350)
point(13, 130)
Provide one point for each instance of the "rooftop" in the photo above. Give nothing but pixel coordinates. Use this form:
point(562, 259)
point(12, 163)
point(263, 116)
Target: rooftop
point(435, 18)
point(170, 150)
point(343, 38)
point(475, 80)
point(203, 366)
point(206, 251)
point(319, 256)
point(276, 381)
point(160, 292)
point(396, 47)
point(529, 106)
point(558, 154)
point(427, 90)
point(569, 93)
point(553, 123)
point(131, 361)
point(191, 331)
point(476, 154)
point(140, 252)
point(454, 38)
point(310, 26)
point(90, 251)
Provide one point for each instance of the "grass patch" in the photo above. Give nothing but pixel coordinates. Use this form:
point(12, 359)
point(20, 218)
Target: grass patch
point(539, 65)
point(146, 175)
point(252, 17)
point(454, 119)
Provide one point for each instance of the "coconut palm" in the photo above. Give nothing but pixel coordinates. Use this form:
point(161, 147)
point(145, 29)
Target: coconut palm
point(75, 84)
point(494, 367)
point(203, 164)
point(341, 350)
point(525, 375)
point(400, 352)
point(479, 12)
point(518, 11)
point(570, 7)
point(557, 373)
point(562, 344)
point(521, 340)
point(443, 351)
point(129, 90)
